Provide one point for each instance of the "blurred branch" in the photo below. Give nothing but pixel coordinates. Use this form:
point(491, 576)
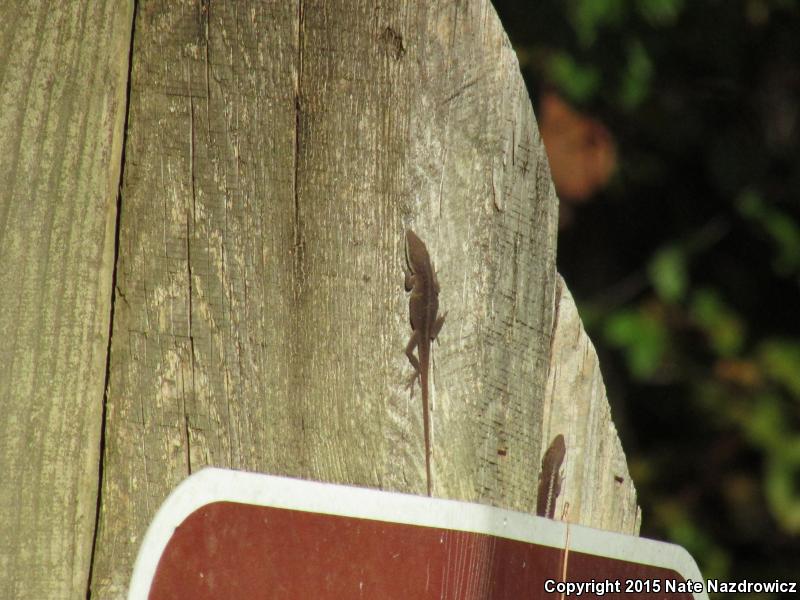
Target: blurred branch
point(626, 289)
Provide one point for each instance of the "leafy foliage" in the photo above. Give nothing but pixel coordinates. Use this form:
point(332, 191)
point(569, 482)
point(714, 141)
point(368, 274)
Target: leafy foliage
point(686, 267)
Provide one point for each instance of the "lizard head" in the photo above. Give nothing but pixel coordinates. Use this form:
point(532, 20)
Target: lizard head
point(416, 252)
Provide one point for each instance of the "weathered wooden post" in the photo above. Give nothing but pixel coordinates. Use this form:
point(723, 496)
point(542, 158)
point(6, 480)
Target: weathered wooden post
point(274, 156)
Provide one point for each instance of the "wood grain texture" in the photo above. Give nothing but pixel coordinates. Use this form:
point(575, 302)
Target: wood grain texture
point(204, 329)
point(63, 76)
point(596, 484)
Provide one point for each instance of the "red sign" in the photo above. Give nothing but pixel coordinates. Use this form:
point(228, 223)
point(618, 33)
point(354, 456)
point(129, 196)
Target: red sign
point(234, 535)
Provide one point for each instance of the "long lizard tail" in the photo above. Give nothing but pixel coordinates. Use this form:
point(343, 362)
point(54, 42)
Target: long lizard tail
point(426, 417)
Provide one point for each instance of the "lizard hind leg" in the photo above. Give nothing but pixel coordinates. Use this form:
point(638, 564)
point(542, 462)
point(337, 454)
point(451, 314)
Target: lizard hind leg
point(412, 345)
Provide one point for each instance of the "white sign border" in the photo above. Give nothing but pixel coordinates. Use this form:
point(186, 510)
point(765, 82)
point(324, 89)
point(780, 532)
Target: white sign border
point(223, 485)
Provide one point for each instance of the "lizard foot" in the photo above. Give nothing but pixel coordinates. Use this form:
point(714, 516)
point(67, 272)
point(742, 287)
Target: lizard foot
point(410, 384)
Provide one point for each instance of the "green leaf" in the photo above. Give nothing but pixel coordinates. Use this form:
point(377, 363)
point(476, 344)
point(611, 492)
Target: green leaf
point(635, 85)
point(764, 421)
point(589, 16)
point(724, 328)
point(782, 483)
point(780, 360)
point(668, 274)
point(660, 12)
point(577, 82)
point(643, 338)
point(781, 229)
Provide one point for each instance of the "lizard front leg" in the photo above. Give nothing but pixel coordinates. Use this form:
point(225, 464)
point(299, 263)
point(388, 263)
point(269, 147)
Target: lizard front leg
point(437, 326)
point(410, 278)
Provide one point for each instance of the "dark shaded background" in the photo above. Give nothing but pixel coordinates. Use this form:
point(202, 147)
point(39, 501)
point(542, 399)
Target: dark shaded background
point(672, 129)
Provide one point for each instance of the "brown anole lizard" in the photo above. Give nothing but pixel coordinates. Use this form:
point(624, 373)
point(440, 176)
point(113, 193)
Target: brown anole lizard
point(550, 478)
point(423, 304)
